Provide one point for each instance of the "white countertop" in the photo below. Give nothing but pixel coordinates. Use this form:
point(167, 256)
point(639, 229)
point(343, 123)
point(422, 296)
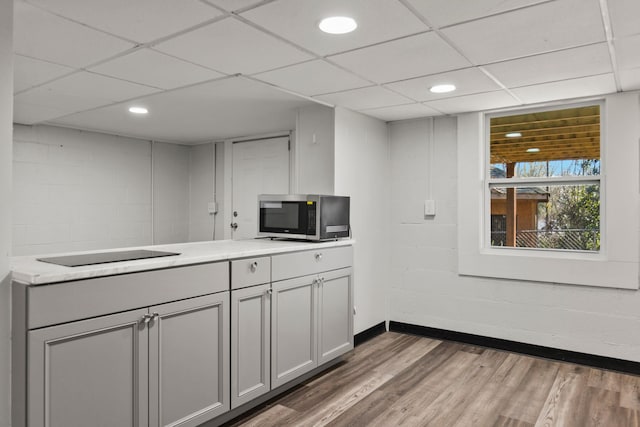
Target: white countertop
point(27, 269)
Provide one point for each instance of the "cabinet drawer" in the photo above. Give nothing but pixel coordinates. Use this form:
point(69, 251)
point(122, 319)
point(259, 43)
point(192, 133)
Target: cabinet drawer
point(81, 299)
point(250, 271)
point(310, 262)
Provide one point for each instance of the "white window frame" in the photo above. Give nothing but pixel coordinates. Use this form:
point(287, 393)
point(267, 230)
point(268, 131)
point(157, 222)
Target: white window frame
point(516, 182)
point(616, 265)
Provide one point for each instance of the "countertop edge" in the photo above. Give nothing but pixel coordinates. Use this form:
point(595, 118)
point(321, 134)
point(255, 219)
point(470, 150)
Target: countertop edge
point(28, 271)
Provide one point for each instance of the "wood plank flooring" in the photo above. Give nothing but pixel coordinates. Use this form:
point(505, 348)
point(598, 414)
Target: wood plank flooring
point(405, 380)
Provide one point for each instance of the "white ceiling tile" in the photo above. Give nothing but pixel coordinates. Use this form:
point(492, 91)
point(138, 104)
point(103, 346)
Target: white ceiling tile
point(28, 72)
point(140, 20)
point(403, 59)
point(630, 79)
point(538, 29)
point(628, 52)
point(39, 34)
point(477, 102)
point(297, 21)
point(363, 98)
point(445, 12)
point(467, 81)
point(313, 78)
point(624, 17)
point(561, 65)
point(567, 89)
point(401, 112)
point(233, 47)
point(29, 114)
point(81, 91)
point(225, 108)
point(152, 68)
point(234, 5)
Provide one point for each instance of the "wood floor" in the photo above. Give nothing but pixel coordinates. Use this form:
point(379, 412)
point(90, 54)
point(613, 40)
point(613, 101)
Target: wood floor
point(404, 380)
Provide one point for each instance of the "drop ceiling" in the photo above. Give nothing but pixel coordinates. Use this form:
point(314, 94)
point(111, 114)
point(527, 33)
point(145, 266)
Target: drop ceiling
point(214, 69)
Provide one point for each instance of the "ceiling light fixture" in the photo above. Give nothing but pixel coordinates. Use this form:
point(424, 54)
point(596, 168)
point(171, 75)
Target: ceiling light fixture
point(513, 135)
point(533, 150)
point(138, 110)
point(338, 25)
point(443, 88)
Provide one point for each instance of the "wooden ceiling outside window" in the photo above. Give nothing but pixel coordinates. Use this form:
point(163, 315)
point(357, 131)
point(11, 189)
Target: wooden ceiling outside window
point(572, 133)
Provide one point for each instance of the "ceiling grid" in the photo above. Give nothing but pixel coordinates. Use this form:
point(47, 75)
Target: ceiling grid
point(195, 63)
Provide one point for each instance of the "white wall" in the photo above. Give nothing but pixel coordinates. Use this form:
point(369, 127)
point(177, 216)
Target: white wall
point(362, 172)
point(427, 290)
point(77, 190)
point(314, 150)
point(80, 190)
point(6, 118)
point(201, 192)
point(170, 193)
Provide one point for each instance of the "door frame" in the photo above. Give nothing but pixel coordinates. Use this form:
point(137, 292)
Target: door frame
point(227, 211)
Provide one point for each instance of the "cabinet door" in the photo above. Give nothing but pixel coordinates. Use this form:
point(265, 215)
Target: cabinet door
point(189, 361)
point(250, 343)
point(293, 329)
point(335, 318)
point(89, 373)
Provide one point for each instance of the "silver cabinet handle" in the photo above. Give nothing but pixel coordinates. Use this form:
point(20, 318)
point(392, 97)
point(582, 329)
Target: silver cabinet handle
point(269, 291)
point(253, 266)
point(146, 318)
point(154, 316)
point(319, 256)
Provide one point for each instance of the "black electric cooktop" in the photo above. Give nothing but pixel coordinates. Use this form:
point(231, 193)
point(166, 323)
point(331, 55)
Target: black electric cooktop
point(104, 257)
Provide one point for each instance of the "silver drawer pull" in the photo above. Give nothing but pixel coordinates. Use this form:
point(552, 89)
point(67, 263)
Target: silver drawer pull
point(318, 256)
point(268, 291)
point(253, 266)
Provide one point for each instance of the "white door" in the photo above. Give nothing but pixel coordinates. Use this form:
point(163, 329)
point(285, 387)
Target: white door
point(259, 167)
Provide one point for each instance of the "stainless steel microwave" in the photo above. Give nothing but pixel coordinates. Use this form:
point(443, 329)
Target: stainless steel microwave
point(303, 216)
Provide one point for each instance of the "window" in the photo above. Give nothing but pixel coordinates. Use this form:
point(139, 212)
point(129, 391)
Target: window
point(543, 179)
point(557, 240)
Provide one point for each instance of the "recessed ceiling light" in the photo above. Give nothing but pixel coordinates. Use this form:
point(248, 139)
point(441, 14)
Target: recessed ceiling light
point(443, 88)
point(513, 135)
point(533, 150)
point(338, 25)
point(138, 110)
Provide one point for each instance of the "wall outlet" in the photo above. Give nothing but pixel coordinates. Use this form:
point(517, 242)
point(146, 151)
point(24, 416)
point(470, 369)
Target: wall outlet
point(212, 207)
point(429, 207)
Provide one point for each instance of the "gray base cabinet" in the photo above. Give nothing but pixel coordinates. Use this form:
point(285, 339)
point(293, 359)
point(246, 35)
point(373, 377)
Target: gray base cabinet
point(312, 322)
point(177, 347)
point(250, 344)
point(89, 373)
point(335, 314)
point(189, 361)
point(163, 366)
point(294, 329)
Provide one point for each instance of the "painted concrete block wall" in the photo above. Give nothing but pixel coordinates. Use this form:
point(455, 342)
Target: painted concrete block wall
point(77, 190)
point(6, 118)
point(170, 193)
point(362, 172)
point(201, 192)
point(314, 150)
point(426, 289)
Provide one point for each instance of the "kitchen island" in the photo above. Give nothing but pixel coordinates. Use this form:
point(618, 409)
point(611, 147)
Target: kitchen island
point(179, 340)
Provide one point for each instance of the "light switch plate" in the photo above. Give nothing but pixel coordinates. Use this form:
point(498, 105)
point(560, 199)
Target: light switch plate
point(429, 207)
